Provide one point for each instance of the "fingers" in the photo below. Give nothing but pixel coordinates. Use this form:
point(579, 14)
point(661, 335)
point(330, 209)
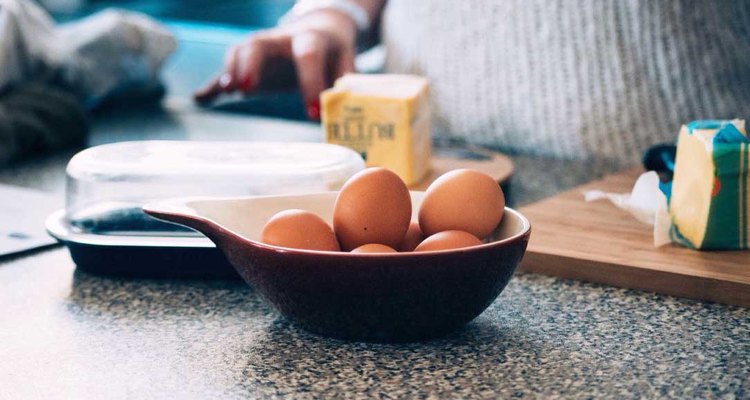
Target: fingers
point(209, 92)
point(317, 57)
point(228, 79)
point(253, 56)
point(309, 51)
point(225, 82)
point(248, 65)
point(345, 64)
point(243, 65)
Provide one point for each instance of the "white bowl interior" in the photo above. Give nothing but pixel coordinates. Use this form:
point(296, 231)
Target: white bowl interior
point(247, 216)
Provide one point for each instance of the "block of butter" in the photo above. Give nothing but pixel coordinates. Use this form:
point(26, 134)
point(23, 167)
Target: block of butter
point(386, 118)
point(709, 202)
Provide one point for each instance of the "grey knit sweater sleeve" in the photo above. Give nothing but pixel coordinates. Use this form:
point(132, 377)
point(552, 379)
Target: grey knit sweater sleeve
point(597, 79)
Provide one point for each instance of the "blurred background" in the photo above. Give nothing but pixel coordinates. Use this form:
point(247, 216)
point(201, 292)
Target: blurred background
point(204, 30)
point(239, 13)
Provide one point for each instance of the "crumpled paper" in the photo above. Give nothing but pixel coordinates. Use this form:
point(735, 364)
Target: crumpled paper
point(26, 41)
point(646, 202)
point(96, 56)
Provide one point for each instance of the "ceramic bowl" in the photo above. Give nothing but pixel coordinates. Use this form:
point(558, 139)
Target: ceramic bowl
point(370, 297)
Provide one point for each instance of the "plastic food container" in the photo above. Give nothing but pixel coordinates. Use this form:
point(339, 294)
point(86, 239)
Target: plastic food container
point(106, 231)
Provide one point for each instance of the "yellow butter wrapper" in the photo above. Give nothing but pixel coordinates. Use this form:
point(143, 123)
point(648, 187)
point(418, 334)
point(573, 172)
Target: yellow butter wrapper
point(386, 118)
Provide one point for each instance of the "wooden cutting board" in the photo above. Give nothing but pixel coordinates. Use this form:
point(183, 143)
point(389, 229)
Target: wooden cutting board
point(597, 242)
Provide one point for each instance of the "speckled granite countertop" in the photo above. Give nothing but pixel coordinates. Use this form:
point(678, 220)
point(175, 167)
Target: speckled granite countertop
point(65, 334)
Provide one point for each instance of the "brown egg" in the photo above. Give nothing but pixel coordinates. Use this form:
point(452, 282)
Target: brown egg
point(412, 238)
point(464, 200)
point(373, 206)
point(448, 240)
point(374, 248)
point(299, 229)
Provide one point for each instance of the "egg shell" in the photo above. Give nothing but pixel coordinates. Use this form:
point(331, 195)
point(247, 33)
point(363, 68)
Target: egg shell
point(299, 229)
point(412, 238)
point(464, 200)
point(374, 248)
point(448, 240)
point(373, 206)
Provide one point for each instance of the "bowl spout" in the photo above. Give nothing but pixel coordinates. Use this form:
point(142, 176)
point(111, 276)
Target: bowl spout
point(184, 212)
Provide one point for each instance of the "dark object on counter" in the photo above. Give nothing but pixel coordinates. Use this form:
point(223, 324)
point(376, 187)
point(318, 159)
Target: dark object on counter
point(38, 118)
point(115, 245)
point(661, 158)
point(283, 104)
point(134, 97)
point(370, 297)
point(151, 262)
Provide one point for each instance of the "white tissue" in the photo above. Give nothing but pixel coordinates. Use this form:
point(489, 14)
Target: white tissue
point(646, 203)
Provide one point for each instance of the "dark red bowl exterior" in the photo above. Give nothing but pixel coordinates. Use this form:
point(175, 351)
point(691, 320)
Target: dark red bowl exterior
point(379, 298)
point(371, 297)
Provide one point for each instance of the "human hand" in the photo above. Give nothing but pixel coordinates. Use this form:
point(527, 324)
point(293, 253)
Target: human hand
point(319, 46)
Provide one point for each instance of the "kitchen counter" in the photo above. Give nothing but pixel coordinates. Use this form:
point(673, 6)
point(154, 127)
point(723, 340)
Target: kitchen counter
point(67, 334)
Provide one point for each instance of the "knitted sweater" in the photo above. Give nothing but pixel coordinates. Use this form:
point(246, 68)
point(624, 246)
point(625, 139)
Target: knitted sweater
point(599, 79)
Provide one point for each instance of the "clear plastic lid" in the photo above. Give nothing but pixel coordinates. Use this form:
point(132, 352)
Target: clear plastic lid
point(108, 184)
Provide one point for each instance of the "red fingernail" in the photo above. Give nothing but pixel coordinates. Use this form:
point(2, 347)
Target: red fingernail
point(313, 110)
point(247, 84)
point(225, 81)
